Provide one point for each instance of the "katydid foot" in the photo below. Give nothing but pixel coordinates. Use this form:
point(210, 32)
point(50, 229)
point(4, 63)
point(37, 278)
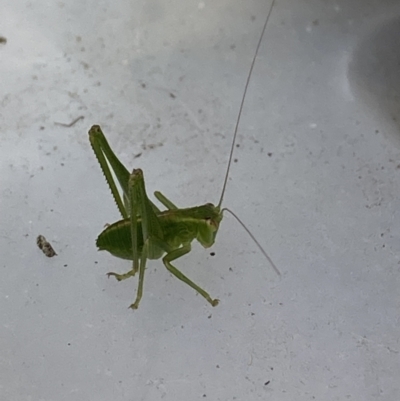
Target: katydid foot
point(121, 277)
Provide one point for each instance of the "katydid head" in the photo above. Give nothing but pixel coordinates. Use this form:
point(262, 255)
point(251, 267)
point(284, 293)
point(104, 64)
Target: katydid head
point(210, 216)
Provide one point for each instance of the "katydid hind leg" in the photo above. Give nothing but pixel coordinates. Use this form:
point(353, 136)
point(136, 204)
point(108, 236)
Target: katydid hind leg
point(151, 228)
point(176, 254)
point(142, 269)
point(107, 159)
point(134, 211)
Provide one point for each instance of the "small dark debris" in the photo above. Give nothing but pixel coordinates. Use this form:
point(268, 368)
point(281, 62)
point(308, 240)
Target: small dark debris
point(269, 154)
point(217, 366)
point(143, 85)
point(171, 95)
point(252, 313)
point(376, 131)
point(212, 253)
point(267, 382)
point(65, 265)
point(95, 262)
point(41, 128)
point(230, 269)
point(209, 316)
point(137, 155)
point(204, 396)
point(3, 40)
point(238, 145)
point(235, 160)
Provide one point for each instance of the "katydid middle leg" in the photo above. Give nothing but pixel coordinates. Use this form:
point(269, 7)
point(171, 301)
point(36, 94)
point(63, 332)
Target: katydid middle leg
point(165, 201)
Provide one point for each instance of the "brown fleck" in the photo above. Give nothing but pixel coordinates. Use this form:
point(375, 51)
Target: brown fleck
point(45, 246)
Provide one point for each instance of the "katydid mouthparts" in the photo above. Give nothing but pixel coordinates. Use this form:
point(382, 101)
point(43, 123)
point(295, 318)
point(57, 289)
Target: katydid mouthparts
point(145, 232)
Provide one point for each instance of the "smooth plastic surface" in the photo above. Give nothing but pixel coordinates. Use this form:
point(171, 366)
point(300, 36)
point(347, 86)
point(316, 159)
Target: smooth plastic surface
point(316, 179)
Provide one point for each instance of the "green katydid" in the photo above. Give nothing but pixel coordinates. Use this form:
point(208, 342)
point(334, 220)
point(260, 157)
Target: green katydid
point(145, 232)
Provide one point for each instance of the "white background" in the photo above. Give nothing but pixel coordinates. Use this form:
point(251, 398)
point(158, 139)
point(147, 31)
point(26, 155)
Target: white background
point(325, 203)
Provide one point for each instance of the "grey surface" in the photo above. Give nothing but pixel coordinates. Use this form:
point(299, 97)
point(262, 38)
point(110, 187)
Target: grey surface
point(325, 204)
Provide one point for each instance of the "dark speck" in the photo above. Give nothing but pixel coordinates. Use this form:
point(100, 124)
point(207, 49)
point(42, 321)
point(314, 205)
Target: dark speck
point(269, 154)
point(171, 95)
point(212, 253)
point(266, 383)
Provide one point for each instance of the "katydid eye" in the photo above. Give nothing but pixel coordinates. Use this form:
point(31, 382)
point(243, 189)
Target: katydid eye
point(210, 222)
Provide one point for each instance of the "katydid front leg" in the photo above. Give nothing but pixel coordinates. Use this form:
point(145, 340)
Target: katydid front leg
point(176, 254)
